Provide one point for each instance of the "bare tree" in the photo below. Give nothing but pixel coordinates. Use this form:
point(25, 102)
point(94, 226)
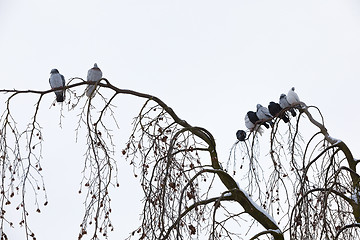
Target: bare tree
point(310, 188)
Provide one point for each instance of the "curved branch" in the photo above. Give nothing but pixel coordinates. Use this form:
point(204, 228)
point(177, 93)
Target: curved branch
point(272, 232)
point(349, 157)
point(346, 227)
point(238, 195)
point(190, 208)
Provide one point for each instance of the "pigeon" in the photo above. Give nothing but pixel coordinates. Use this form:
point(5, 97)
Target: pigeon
point(284, 104)
point(250, 122)
point(263, 113)
point(57, 80)
point(94, 75)
point(241, 135)
point(292, 97)
point(275, 109)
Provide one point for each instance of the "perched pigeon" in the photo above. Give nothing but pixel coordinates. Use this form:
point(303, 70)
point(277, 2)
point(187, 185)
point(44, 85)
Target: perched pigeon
point(263, 113)
point(292, 97)
point(57, 80)
point(250, 122)
point(94, 75)
point(241, 135)
point(284, 104)
point(275, 109)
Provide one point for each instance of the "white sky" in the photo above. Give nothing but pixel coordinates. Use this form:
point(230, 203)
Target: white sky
point(211, 61)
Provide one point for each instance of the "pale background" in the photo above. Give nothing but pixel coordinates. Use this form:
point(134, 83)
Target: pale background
point(211, 61)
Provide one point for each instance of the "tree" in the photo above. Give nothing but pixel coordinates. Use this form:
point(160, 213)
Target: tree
point(310, 188)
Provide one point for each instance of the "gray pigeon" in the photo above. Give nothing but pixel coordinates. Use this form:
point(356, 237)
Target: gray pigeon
point(284, 104)
point(94, 75)
point(263, 113)
point(57, 80)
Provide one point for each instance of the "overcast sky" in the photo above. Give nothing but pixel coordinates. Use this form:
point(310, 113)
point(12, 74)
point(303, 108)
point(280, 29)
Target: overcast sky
point(211, 61)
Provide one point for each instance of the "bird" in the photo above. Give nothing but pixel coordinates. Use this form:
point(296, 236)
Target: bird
point(57, 80)
point(283, 102)
point(275, 109)
point(250, 122)
point(292, 97)
point(241, 135)
point(94, 75)
point(263, 113)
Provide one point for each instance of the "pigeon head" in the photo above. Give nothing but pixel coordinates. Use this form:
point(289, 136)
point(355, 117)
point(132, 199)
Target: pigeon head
point(54, 71)
point(282, 95)
point(95, 65)
point(258, 106)
point(293, 88)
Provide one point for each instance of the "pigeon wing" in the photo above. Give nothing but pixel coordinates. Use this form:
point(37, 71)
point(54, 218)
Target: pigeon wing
point(63, 80)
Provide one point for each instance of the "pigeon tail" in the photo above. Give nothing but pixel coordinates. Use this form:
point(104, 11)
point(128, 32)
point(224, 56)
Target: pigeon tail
point(271, 123)
point(285, 119)
point(90, 91)
point(59, 96)
point(293, 113)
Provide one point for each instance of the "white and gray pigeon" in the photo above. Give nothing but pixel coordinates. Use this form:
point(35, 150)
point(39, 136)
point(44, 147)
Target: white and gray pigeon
point(263, 113)
point(57, 80)
point(94, 75)
point(292, 97)
point(284, 104)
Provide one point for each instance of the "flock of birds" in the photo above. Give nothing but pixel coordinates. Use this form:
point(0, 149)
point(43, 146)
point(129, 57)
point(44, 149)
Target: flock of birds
point(57, 80)
point(253, 120)
point(263, 115)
